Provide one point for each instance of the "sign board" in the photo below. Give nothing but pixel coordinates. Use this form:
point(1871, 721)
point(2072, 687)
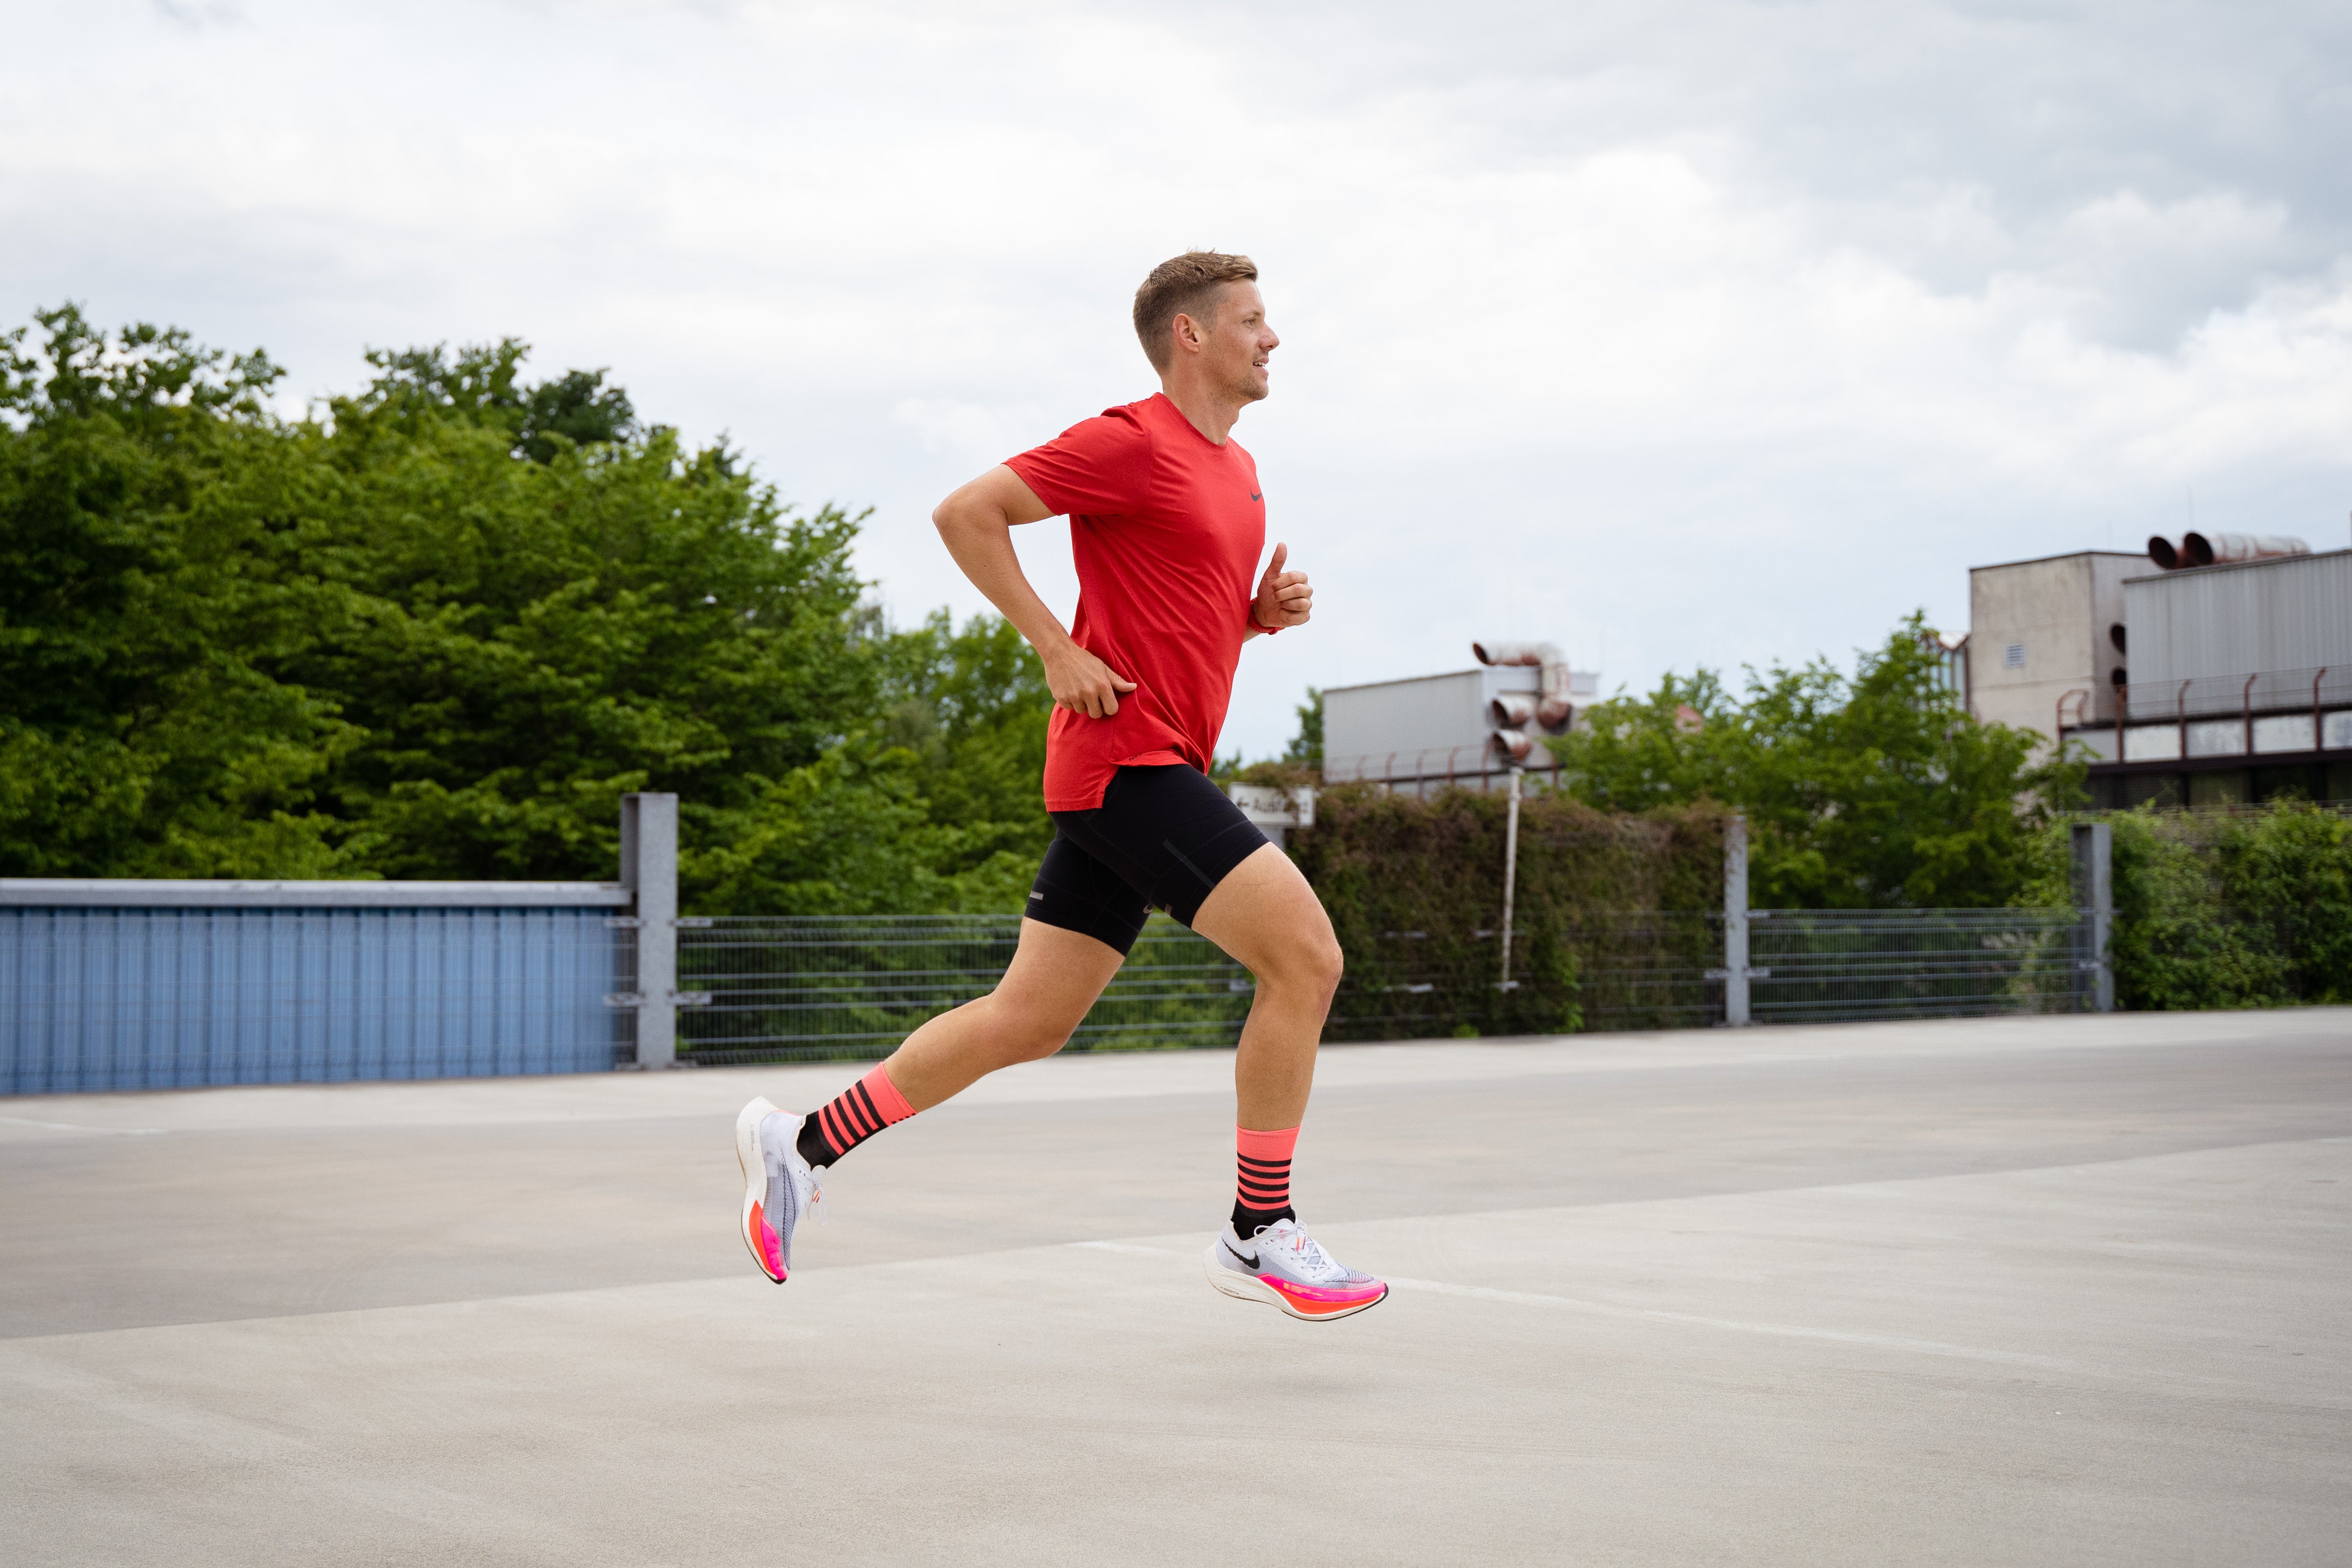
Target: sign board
point(1267, 806)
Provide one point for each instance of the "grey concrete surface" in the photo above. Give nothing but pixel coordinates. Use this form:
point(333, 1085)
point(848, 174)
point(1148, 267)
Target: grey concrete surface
point(2063, 1291)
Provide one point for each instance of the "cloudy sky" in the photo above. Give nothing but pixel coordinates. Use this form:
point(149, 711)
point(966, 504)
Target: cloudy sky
point(1680, 331)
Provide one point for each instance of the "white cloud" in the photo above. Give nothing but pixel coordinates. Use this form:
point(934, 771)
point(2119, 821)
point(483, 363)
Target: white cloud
point(1700, 331)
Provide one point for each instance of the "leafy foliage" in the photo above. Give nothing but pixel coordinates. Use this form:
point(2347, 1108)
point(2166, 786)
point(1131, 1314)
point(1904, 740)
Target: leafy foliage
point(935, 809)
point(1880, 790)
point(1414, 887)
point(1305, 748)
point(2244, 909)
point(438, 633)
point(142, 731)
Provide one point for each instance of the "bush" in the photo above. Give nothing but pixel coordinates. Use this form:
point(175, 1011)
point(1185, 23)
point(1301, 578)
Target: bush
point(1414, 888)
point(2214, 910)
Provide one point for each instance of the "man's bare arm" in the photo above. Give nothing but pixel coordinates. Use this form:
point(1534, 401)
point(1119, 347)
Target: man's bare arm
point(977, 524)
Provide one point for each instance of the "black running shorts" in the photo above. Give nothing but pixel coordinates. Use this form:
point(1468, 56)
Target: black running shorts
point(1162, 838)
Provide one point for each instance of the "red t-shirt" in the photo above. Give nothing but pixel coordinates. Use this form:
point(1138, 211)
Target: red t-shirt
point(1166, 527)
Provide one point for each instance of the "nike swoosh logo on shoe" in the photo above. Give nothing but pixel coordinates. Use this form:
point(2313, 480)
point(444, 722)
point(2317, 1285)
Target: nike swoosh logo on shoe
point(1250, 1262)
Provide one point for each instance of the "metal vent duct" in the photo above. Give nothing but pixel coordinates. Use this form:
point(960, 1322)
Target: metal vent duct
point(1552, 709)
point(2215, 549)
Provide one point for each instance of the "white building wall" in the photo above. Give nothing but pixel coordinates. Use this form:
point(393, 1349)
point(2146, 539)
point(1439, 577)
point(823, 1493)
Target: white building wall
point(2041, 628)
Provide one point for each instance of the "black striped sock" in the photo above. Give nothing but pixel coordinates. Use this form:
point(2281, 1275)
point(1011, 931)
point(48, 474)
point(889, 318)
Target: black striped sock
point(1262, 1188)
point(851, 1117)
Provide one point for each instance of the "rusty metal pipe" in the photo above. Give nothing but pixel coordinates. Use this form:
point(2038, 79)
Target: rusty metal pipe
point(2218, 549)
point(1553, 710)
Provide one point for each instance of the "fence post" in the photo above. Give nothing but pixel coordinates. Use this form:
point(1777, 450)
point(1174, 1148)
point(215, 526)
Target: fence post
point(1735, 920)
point(2095, 897)
point(1510, 876)
point(649, 871)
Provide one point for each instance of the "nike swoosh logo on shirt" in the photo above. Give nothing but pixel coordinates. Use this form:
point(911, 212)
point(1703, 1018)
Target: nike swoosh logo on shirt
point(1254, 496)
point(1229, 1247)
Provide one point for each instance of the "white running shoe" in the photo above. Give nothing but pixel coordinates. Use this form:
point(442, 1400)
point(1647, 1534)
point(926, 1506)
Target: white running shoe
point(1285, 1267)
point(778, 1184)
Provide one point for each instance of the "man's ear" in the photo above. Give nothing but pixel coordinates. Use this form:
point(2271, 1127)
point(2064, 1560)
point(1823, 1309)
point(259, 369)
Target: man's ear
point(1187, 332)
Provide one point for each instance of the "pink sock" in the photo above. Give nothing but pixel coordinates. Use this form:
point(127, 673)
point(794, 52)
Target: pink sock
point(1262, 1193)
point(857, 1114)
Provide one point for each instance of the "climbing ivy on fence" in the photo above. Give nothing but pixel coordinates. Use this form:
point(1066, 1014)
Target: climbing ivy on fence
point(1613, 927)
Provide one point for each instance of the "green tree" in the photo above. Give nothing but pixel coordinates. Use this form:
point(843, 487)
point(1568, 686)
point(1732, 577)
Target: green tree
point(236, 644)
point(1305, 748)
point(931, 806)
point(523, 642)
point(972, 704)
point(1871, 791)
point(143, 730)
point(437, 628)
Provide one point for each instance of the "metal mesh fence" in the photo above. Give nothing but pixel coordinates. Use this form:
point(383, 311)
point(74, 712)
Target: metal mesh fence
point(1823, 966)
point(1625, 971)
point(121, 1000)
point(1650, 970)
point(852, 988)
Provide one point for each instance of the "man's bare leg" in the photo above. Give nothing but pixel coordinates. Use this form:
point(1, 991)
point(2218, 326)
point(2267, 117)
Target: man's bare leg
point(1265, 916)
point(1055, 977)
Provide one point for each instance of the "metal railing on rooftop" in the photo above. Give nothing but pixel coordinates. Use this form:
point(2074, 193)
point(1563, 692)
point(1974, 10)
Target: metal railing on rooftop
point(2223, 697)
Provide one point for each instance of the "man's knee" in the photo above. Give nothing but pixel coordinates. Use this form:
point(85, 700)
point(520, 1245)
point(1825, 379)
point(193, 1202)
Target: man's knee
point(1310, 962)
point(1020, 1035)
point(1328, 962)
point(1033, 1044)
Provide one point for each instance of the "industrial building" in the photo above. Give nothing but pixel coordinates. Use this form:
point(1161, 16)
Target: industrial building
point(2205, 671)
point(1465, 727)
point(2208, 672)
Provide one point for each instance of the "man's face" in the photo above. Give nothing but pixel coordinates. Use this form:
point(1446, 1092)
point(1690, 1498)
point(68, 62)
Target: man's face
point(1235, 342)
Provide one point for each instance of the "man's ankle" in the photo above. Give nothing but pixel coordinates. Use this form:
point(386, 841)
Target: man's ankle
point(1248, 1222)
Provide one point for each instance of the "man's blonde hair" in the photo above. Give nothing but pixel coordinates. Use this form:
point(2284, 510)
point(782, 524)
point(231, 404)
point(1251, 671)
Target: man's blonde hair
point(1182, 285)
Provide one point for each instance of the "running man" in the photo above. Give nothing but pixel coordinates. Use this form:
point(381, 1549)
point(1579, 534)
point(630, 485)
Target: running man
point(1167, 521)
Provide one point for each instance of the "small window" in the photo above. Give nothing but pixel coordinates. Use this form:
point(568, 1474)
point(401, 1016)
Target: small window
point(2013, 656)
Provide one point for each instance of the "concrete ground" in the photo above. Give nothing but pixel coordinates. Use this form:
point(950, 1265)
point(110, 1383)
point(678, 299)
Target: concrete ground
point(2058, 1291)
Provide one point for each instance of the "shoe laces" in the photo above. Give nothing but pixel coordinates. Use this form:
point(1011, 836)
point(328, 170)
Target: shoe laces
point(1309, 1253)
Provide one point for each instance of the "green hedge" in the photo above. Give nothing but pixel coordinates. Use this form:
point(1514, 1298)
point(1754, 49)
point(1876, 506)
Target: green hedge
point(2238, 909)
point(1415, 887)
